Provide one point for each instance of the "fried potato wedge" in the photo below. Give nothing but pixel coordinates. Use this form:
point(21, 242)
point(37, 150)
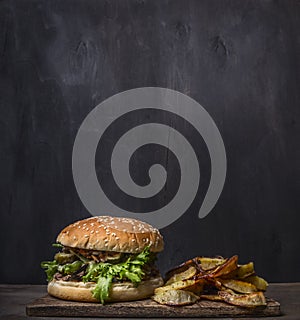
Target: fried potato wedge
point(245, 270)
point(214, 282)
point(242, 271)
point(260, 283)
point(227, 267)
point(215, 279)
point(249, 300)
point(183, 284)
point(211, 297)
point(210, 263)
point(178, 269)
point(197, 287)
point(238, 285)
point(185, 275)
point(176, 297)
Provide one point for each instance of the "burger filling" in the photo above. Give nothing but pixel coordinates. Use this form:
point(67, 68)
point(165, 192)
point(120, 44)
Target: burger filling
point(101, 267)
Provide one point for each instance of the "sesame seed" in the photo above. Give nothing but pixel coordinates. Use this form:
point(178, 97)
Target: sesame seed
point(133, 240)
point(92, 231)
point(86, 235)
point(117, 238)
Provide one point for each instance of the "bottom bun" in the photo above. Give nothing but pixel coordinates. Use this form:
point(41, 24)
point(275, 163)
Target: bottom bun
point(123, 291)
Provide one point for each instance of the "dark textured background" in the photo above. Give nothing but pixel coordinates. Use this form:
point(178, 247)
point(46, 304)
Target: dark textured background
point(239, 59)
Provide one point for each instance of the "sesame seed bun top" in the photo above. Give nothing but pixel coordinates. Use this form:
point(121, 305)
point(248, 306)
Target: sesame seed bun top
point(105, 233)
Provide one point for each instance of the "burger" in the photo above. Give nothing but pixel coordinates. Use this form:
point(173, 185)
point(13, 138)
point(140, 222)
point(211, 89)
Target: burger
point(105, 259)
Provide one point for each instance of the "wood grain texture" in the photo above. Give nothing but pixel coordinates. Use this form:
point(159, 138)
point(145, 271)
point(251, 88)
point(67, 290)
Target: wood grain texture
point(48, 306)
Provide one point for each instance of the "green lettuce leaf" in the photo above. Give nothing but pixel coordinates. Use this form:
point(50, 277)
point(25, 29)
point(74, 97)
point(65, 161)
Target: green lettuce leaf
point(51, 267)
point(101, 291)
point(103, 273)
point(131, 269)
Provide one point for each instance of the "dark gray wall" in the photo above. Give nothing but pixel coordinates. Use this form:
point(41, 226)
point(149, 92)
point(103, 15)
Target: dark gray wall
point(239, 59)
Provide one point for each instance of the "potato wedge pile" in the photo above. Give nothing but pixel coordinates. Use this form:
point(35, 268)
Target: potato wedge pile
point(216, 279)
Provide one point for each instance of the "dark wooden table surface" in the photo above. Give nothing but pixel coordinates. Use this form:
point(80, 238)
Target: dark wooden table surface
point(13, 299)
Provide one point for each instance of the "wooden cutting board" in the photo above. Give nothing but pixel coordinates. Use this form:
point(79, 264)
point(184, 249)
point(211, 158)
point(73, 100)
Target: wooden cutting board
point(51, 307)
